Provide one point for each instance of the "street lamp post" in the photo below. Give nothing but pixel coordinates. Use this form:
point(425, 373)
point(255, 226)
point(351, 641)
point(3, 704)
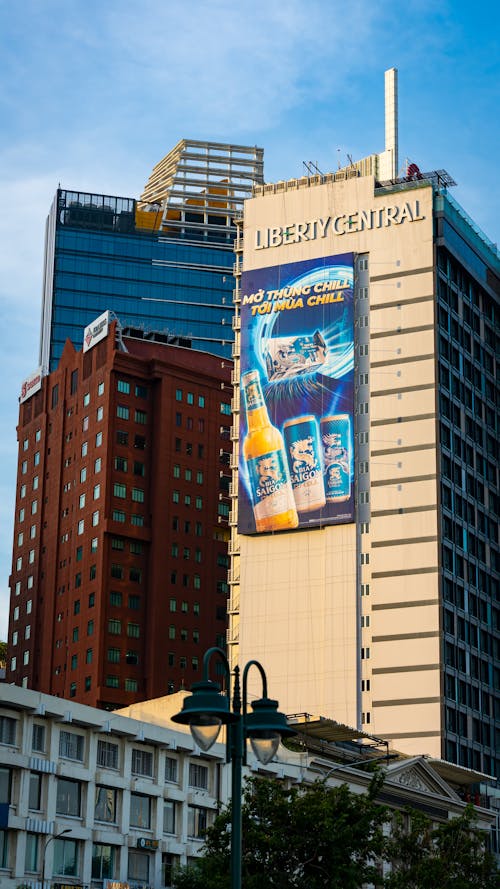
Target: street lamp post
point(47, 842)
point(207, 709)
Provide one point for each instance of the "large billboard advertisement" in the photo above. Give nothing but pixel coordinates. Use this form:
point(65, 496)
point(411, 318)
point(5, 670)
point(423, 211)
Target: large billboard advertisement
point(296, 465)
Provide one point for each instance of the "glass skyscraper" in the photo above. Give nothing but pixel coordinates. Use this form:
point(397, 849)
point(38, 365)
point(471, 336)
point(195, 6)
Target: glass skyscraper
point(163, 263)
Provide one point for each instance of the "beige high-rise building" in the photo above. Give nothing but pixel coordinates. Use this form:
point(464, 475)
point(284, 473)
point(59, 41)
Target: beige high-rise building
point(380, 610)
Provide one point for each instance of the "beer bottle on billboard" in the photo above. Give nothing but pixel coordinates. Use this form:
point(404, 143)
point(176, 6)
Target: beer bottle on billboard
point(272, 494)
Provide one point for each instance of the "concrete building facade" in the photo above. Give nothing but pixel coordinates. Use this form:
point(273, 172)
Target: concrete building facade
point(388, 622)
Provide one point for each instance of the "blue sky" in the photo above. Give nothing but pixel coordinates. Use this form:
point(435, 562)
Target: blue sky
point(93, 94)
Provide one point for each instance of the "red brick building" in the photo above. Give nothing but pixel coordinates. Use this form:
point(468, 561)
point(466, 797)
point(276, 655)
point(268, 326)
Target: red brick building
point(119, 570)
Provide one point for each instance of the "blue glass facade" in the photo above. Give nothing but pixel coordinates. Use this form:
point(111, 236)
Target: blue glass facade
point(98, 258)
point(468, 318)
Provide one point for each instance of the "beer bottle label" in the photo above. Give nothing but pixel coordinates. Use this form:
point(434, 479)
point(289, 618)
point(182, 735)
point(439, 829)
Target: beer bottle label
point(271, 488)
point(253, 395)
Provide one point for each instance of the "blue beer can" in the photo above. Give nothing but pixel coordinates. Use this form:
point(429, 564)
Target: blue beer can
point(335, 433)
point(304, 461)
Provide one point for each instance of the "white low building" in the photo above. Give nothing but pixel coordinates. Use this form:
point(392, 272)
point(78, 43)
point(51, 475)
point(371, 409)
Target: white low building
point(88, 797)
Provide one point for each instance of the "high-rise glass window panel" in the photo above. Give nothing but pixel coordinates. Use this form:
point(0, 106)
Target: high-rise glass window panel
point(140, 811)
point(122, 412)
point(68, 797)
point(65, 858)
point(105, 803)
point(107, 754)
point(103, 858)
point(123, 386)
point(71, 746)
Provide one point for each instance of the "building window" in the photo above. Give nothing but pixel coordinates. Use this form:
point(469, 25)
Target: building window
point(34, 791)
point(121, 464)
point(141, 417)
point(31, 853)
point(198, 776)
point(68, 797)
point(138, 495)
point(118, 515)
point(103, 857)
point(117, 571)
point(178, 394)
point(112, 682)
point(138, 866)
point(100, 388)
point(65, 858)
point(95, 518)
point(169, 808)
point(114, 627)
point(197, 821)
point(171, 770)
point(124, 387)
point(107, 754)
point(133, 630)
point(141, 391)
point(38, 738)
point(114, 655)
point(131, 685)
point(90, 625)
point(134, 602)
point(122, 412)
point(71, 746)
point(105, 804)
point(142, 762)
point(140, 811)
point(137, 520)
point(121, 437)
point(98, 440)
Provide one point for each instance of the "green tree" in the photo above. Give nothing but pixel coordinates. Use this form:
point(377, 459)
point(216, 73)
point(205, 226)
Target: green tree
point(450, 856)
point(316, 836)
point(3, 652)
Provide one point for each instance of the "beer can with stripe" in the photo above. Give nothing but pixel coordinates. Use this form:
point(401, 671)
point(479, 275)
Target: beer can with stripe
point(304, 460)
point(335, 433)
